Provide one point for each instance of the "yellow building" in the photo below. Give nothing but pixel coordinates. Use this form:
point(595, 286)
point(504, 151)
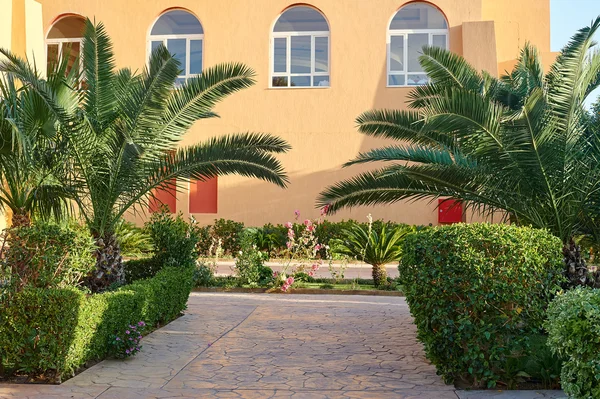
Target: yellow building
point(319, 65)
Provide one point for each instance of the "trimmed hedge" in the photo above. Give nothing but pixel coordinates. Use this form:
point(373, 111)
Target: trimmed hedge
point(59, 330)
point(477, 293)
point(574, 333)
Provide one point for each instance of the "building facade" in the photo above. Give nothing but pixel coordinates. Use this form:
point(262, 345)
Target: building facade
point(318, 66)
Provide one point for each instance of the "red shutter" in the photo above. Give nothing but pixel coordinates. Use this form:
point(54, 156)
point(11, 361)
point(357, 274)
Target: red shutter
point(450, 211)
point(204, 196)
point(164, 196)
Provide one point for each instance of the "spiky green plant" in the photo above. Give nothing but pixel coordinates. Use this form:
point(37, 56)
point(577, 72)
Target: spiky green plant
point(520, 144)
point(372, 247)
point(125, 133)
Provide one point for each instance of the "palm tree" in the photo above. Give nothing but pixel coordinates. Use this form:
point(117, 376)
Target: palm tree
point(519, 144)
point(32, 150)
point(125, 131)
point(372, 247)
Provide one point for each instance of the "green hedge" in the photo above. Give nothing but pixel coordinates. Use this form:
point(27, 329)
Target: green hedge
point(59, 330)
point(574, 333)
point(477, 293)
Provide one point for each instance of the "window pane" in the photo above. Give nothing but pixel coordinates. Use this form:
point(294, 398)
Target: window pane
point(70, 51)
point(321, 54)
point(156, 44)
point(416, 41)
point(300, 54)
point(439, 41)
point(419, 16)
point(195, 56)
point(396, 80)
point(321, 81)
point(177, 48)
point(280, 55)
point(301, 19)
point(417, 79)
point(301, 81)
point(177, 22)
point(397, 53)
point(280, 81)
point(179, 82)
point(52, 51)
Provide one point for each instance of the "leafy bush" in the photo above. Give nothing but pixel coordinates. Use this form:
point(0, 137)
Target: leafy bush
point(477, 292)
point(249, 263)
point(174, 239)
point(133, 241)
point(228, 231)
point(574, 332)
point(137, 269)
point(47, 255)
point(58, 330)
point(204, 275)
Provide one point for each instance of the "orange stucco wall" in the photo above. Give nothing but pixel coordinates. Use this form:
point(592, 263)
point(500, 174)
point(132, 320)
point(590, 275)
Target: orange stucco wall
point(319, 123)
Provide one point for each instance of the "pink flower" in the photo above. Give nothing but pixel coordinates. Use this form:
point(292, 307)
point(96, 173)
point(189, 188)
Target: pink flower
point(117, 339)
point(290, 233)
point(311, 273)
point(297, 213)
point(307, 222)
point(284, 287)
point(275, 274)
point(317, 247)
point(324, 210)
point(315, 267)
point(127, 332)
point(290, 280)
point(289, 225)
point(288, 244)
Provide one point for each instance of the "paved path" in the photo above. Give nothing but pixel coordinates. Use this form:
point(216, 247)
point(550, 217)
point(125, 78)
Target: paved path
point(352, 271)
point(270, 346)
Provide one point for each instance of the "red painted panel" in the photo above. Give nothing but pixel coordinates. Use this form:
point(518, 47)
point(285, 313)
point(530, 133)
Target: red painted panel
point(450, 211)
point(204, 196)
point(165, 196)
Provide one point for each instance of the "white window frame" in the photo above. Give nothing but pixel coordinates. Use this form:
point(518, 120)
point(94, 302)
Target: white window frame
point(404, 33)
point(288, 52)
point(188, 39)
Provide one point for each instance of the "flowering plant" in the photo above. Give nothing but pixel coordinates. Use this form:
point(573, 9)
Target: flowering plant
point(128, 344)
point(302, 261)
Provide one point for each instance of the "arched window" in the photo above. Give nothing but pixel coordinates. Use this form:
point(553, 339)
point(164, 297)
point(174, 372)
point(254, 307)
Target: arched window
point(300, 49)
point(64, 40)
point(414, 26)
point(182, 34)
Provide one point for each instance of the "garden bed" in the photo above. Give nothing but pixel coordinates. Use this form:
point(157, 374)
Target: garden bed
point(304, 291)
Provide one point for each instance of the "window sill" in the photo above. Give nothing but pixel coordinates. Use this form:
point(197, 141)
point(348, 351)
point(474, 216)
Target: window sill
point(299, 88)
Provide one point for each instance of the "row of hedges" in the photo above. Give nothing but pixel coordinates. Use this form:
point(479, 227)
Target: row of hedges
point(58, 330)
point(272, 238)
point(479, 294)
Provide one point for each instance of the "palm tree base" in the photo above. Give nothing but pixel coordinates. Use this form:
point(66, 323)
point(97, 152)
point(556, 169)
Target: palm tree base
point(577, 272)
point(109, 264)
point(20, 220)
point(379, 275)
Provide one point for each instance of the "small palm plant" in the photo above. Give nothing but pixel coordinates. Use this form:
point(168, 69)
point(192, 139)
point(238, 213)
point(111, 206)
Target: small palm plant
point(372, 247)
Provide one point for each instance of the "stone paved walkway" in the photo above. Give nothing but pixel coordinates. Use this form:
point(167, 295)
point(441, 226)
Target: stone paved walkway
point(271, 346)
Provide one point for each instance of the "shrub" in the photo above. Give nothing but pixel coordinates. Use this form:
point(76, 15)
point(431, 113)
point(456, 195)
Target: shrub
point(574, 332)
point(228, 231)
point(204, 275)
point(174, 239)
point(58, 330)
point(47, 255)
point(137, 269)
point(127, 343)
point(477, 292)
point(249, 263)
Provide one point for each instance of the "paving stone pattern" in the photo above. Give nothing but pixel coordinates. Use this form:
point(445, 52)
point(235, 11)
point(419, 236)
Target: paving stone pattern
point(272, 346)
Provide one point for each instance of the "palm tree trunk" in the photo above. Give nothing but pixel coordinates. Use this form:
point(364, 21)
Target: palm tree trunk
point(20, 219)
point(576, 270)
point(109, 264)
point(379, 275)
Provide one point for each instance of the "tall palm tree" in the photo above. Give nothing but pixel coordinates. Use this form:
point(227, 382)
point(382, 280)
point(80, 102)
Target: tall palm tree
point(125, 131)
point(519, 144)
point(32, 150)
